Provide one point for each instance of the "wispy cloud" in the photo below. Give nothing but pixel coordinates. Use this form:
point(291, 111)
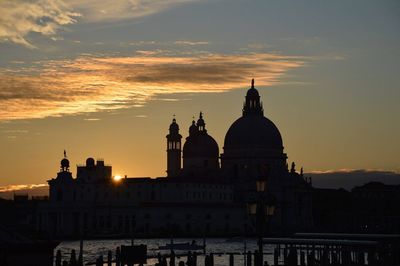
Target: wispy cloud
point(91, 119)
point(21, 187)
point(111, 10)
point(19, 18)
point(191, 43)
point(91, 84)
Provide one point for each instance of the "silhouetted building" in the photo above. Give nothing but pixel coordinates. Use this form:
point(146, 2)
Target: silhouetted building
point(204, 195)
point(370, 208)
point(375, 208)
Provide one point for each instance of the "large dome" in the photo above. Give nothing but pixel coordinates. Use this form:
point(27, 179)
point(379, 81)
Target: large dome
point(200, 145)
point(253, 132)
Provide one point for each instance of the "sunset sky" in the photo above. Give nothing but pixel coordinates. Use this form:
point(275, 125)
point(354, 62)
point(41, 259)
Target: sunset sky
point(104, 78)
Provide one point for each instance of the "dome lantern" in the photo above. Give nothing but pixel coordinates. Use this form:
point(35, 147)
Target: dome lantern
point(64, 163)
point(201, 125)
point(252, 105)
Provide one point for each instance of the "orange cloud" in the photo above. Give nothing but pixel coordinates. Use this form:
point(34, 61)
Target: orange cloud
point(92, 84)
point(21, 187)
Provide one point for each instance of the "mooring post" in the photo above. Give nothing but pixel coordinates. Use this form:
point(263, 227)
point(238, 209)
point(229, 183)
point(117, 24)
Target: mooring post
point(231, 260)
point(72, 260)
point(58, 258)
point(172, 258)
point(194, 259)
point(256, 258)
point(118, 257)
point(189, 259)
point(276, 256)
point(248, 258)
point(109, 258)
point(302, 259)
point(80, 256)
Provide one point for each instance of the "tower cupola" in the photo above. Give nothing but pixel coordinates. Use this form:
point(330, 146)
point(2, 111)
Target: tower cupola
point(173, 149)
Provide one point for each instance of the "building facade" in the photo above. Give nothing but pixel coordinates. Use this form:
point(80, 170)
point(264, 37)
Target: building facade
point(204, 192)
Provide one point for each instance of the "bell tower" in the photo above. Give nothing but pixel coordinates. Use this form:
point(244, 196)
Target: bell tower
point(173, 149)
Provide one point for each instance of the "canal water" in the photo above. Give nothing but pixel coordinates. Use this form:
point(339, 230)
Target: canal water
point(94, 248)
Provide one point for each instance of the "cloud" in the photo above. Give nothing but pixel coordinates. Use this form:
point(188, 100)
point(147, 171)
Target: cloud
point(92, 84)
point(21, 187)
point(7, 192)
point(19, 18)
point(349, 178)
point(111, 10)
point(191, 43)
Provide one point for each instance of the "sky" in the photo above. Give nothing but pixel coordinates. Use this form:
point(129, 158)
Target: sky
point(103, 79)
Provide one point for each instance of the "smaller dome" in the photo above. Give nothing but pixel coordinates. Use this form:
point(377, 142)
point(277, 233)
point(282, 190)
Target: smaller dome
point(65, 163)
point(89, 162)
point(200, 145)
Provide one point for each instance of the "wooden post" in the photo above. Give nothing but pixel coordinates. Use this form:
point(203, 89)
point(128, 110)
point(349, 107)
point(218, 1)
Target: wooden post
point(72, 260)
point(172, 258)
point(248, 258)
point(231, 260)
point(276, 256)
point(109, 258)
point(302, 259)
point(194, 259)
point(80, 256)
point(285, 255)
point(206, 260)
point(189, 259)
point(164, 261)
point(256, 258)
point(58, 258)
point(118, 257)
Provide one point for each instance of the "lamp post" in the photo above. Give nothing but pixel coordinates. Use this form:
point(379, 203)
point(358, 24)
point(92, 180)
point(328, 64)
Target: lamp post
point(263, 208)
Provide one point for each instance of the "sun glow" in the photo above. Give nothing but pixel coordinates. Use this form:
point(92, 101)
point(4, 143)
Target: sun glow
point(117, 178)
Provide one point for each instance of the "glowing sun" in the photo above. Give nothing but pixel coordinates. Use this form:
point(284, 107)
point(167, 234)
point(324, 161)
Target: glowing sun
point(117, 178)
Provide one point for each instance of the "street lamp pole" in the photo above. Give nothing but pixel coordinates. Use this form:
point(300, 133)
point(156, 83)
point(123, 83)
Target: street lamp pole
point(260, 217)
point(263, 209)
point(260, 226)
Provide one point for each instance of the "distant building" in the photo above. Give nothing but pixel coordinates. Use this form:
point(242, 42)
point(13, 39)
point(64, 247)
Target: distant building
point(204, 193)
point(370, 208)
